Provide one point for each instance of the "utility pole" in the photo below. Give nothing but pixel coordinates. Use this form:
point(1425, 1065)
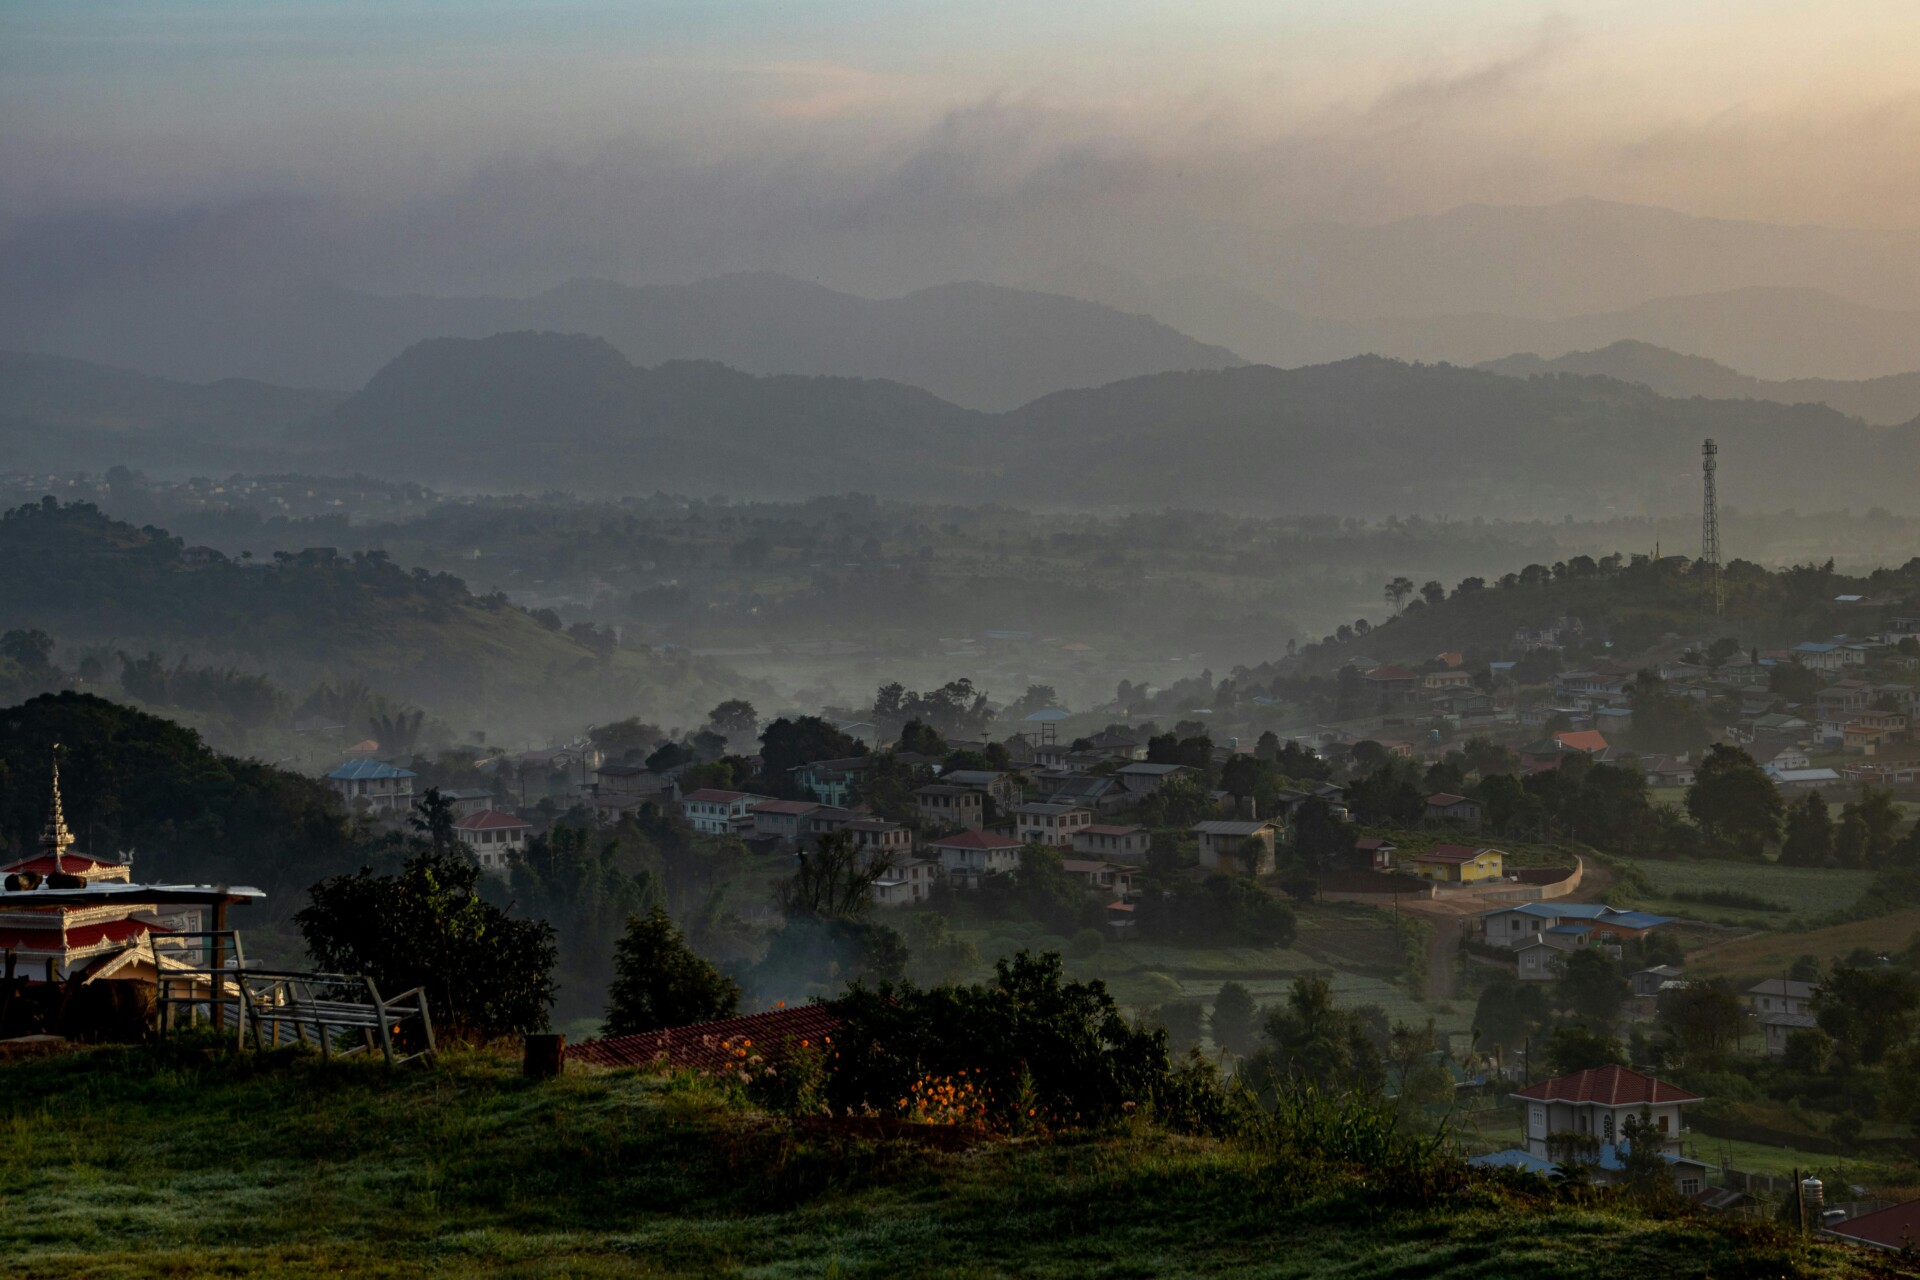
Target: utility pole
point(1710, 525)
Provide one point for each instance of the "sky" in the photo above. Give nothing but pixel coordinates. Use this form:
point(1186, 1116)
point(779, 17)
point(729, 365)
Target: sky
point(436, 144)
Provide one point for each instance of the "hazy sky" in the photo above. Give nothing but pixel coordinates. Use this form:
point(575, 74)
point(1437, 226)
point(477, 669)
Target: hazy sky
point(417, 143)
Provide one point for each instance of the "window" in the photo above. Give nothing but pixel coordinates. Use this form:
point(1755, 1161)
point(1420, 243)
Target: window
point(1689, 1186)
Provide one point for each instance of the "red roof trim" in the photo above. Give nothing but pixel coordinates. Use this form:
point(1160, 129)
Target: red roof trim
point(489, 820)
point(701, 1045)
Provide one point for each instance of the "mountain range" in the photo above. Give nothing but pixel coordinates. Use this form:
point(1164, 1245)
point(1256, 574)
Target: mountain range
point(1879, 401)
point(983, 346)
point(1368, 436)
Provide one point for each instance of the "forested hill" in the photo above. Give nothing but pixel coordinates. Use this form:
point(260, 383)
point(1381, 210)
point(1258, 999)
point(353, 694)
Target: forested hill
point(420, 638)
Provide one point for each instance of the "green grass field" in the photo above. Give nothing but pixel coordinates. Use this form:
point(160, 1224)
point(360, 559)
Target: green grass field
point(1807, 895)
point(125, 1163)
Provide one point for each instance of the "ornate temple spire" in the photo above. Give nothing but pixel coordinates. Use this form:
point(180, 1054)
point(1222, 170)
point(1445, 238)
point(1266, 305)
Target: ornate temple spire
point(56, 839)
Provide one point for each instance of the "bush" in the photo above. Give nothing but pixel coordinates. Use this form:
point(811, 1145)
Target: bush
point(1036, 1049)
point(659, 981)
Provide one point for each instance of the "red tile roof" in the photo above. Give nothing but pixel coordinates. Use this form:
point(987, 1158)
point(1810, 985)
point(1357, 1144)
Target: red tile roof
point(979, 840)
point(1452, 853)
point(706, 1046)
point(1611, 1086)
point(1895, 1228)
point(1588, 740)
point(1445, 800)
point(490, 820)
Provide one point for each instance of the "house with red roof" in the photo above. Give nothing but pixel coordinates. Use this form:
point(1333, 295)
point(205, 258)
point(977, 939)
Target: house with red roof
point(1445, 808)
point(1596, 1103)
point(1392, 686)
point(493, 838)
point(1459, 864)
point(1895, 1229)
point(714, 812)
point(784, 821)
point(968, 856)
point(1586, 741)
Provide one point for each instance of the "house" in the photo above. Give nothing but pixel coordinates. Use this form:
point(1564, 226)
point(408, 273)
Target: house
point(1128, 844)
point(1780, 995)
point(1820, 656)
point(1665, 771)
point(1114, 745)
point(714, 812)
point(373, 786)
point(633, 780)
point(1141, 778)
point(1527, 922)
point(1604, 1167)
point(1090, 791)
point(1650, 982)
point(1596, 1103)
point(1109, 880)
point(1049, 824)
point(1458, 864)
point(1802, 779)
point(1374, 853)
point(1391, 686)
point(1463, 811)
point(1896, 1229)
point(463, 801)
point(1587, 741)
point(1775, 1028)
point(1603, 684)
point(905, 883)
point(493, 838)
point(1451, 678)
point(1538, 961)
point(1791, 758)
point(1002, 788)
point(1244, 847)
point(832, 781)
point(973, 854)
point(941, 806)
point(783, 820)
point(876, 838)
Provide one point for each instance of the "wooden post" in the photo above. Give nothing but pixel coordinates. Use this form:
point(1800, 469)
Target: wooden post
point(545, 1057)
point(217, 962)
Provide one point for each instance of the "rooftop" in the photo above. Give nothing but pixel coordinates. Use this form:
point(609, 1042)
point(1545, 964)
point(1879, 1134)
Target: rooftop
point(977, 840)
point(1453, 853)
point(367, 770)
point(1230, 828)
point(701, 1045)
point(489, 820)
point(1609, 1086)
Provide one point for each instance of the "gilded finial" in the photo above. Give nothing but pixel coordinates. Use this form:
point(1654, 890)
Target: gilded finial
point(56, 839)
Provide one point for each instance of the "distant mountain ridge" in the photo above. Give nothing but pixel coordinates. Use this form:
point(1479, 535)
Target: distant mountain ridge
point(984, 346)
point(533, 411)
point(1879, 401)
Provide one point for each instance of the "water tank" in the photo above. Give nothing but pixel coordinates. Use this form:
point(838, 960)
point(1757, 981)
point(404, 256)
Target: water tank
point(1813, 1195)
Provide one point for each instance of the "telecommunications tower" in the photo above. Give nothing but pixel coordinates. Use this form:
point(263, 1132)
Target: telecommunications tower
point(1710, 525)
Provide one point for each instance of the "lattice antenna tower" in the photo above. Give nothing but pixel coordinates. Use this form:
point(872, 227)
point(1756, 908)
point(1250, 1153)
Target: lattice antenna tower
point(1710, 524)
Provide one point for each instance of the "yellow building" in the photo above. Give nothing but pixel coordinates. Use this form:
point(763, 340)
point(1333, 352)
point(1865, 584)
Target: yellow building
point(1458, 864)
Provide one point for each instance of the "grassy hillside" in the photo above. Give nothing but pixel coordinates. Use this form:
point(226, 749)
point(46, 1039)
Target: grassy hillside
point(124, 1162)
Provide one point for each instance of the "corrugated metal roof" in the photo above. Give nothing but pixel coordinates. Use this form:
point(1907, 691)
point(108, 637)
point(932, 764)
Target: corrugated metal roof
point(709, 1046)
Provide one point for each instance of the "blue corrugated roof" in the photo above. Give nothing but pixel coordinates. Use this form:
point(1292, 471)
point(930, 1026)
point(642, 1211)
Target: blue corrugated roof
point(1571, 928)
point(1637, 919)
point(364, 770)
point(1515, 1158)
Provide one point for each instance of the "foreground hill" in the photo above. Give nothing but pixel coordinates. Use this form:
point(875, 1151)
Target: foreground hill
point(1880, 401)
point(467, 1169)
point(419, 638)
point(985, 346)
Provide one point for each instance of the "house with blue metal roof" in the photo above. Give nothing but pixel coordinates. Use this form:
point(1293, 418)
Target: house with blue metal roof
point(373, 786)
point(1527, 923)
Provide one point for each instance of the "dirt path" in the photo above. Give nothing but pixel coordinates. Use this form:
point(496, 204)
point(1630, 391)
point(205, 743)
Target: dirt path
point(1443, 943)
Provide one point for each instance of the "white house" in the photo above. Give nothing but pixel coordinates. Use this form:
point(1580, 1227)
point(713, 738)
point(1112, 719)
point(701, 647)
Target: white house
point(1050, 824)
point(714, 812)
point(1597, 1102)
point(904, 883)
point(972, 854)
point(493, 838)
point(1114, 843)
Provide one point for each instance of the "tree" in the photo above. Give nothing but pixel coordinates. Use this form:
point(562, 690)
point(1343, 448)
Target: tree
point(1793, 682)
point(920, 739)
point(1432, 592)
point(1397, 592)
point(1182, 1020)
point(1664, 721)
point(1313, 1042)
point(1869, 1012)
point(1320, 838)
point(398, 733)
point(786, 744)
point(659, 981)
point(734, 718)
point(1703, 1019)
point(485, 973)
point(1509, 1013)
point(1644, 1172)
point(829, 882)
point(1809, 834)
point(1572, 1048)
point(1733, 800)
point(1038, 697)
point(1231, 1022)
point(432, 817)
point(1591, 987)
